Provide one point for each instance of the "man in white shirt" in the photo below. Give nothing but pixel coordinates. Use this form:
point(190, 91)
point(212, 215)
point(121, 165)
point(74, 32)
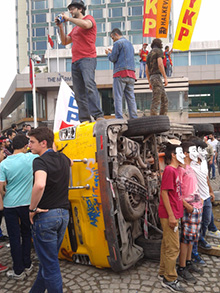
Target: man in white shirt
point(213, 142)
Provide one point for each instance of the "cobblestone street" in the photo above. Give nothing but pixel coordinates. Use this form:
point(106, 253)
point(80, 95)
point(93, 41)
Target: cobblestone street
point(141, 278)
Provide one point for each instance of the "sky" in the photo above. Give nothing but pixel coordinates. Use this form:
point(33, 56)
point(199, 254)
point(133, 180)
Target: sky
point(206, 29)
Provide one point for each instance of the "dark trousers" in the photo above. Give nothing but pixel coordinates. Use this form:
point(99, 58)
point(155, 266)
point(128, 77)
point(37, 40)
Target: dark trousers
point(19, 232)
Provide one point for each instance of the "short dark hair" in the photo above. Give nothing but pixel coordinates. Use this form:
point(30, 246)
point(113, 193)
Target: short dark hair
point(170, 149)
point(167, 47)
point(23, 125)
point(13, 125)
point(198, 142)
point(43, 133)
point(186, 145)
point(157, 43)
point(116, 31)
point(19, 141)
point(10, 131)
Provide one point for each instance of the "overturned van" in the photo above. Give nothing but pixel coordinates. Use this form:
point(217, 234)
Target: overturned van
point(114, 190)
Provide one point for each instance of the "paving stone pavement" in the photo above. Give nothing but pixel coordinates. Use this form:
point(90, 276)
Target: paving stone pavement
point(140, 278)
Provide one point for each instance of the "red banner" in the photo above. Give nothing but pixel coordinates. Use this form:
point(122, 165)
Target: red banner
point(150, 18)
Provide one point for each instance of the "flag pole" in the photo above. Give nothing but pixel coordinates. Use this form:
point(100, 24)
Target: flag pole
point(34, 95)
point(58, 65)
point(48, 57)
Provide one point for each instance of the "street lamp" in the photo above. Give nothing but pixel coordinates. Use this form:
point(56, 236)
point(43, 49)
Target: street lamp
point(34, 59)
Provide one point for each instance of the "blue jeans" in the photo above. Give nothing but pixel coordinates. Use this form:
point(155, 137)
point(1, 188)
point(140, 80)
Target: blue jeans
point(212, 226)
point(213, 167)
point(84, 86)
point(124, 86)
point(48, 231)
point(206, 220)
point(142, 69)
point(19, 237)
point(168, 69)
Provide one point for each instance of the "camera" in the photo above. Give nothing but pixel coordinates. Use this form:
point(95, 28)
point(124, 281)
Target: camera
point(60, 18)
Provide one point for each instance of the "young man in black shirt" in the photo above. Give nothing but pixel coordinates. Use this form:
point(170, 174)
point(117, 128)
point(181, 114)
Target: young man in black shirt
point(49, 208)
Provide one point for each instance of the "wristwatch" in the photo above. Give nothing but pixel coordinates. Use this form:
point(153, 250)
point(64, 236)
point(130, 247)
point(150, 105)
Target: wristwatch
point(33, 211)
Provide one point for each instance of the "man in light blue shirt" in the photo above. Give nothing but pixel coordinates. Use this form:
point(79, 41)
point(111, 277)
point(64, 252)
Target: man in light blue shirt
point(16, 177)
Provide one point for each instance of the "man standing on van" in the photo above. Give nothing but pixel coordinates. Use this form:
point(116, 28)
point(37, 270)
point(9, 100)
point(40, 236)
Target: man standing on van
point(122, 55)
point(49, 208)
point(154, 70)
point(83, 37)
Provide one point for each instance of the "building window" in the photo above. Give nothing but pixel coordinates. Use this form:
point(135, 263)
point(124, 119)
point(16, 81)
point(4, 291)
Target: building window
point(95, 2)
point(39, 5)
point(213, 57)
point(99, 42)
point(118, 24)
point(68, 65)
point(136, 39)
point(198, 58)
point(103, 63)
point(136, 24)
point(40, 45)
point(137, 10)
point(116, 1)
point(38, 18)
point(180, 59)
point(38, 32)
point(59, 3)
point(115, 12)
point(97, 13)
point(100, 27)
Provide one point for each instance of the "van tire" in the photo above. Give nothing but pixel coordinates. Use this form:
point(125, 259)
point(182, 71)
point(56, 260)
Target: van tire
point(203, 129)
point(132, 206)
point(147, 125)
point(151, 247)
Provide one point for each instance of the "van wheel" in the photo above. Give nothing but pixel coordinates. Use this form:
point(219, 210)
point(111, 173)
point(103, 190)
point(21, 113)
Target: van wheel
point(151, 247)
point(132, 204)
point(203, 129)
point(147, 125)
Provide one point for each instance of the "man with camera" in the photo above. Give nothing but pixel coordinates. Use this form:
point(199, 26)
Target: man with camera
point(83, 37)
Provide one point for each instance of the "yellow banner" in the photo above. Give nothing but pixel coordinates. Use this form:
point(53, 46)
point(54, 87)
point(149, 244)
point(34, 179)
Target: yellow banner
point(186, 24)
point(163, 15)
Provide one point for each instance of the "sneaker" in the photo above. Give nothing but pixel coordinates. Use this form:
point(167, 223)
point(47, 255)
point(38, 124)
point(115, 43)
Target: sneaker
point(192, 268)
point(29, 270)
point(197, 259)
point(11, 274)
point(203, 244)
point(173, 286)
point(3, 268)
point(186, 276)
point(4, 238)
point(160, 277)
point(212, 234)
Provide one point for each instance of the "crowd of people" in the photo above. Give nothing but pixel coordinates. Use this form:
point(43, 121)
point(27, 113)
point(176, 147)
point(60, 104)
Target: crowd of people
point(39, 210)
point(167, 61)
point(185, 204)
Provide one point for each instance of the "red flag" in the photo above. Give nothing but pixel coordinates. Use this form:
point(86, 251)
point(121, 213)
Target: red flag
point(50, 41)
point(31, 72)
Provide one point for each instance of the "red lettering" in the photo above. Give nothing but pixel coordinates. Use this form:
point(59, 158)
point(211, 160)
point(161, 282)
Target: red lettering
point(188, 17)
point(183, 33)
point(192, 2)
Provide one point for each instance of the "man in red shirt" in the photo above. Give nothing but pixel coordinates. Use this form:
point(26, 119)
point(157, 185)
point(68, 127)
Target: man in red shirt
point(143, 54)
point(83, 37)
